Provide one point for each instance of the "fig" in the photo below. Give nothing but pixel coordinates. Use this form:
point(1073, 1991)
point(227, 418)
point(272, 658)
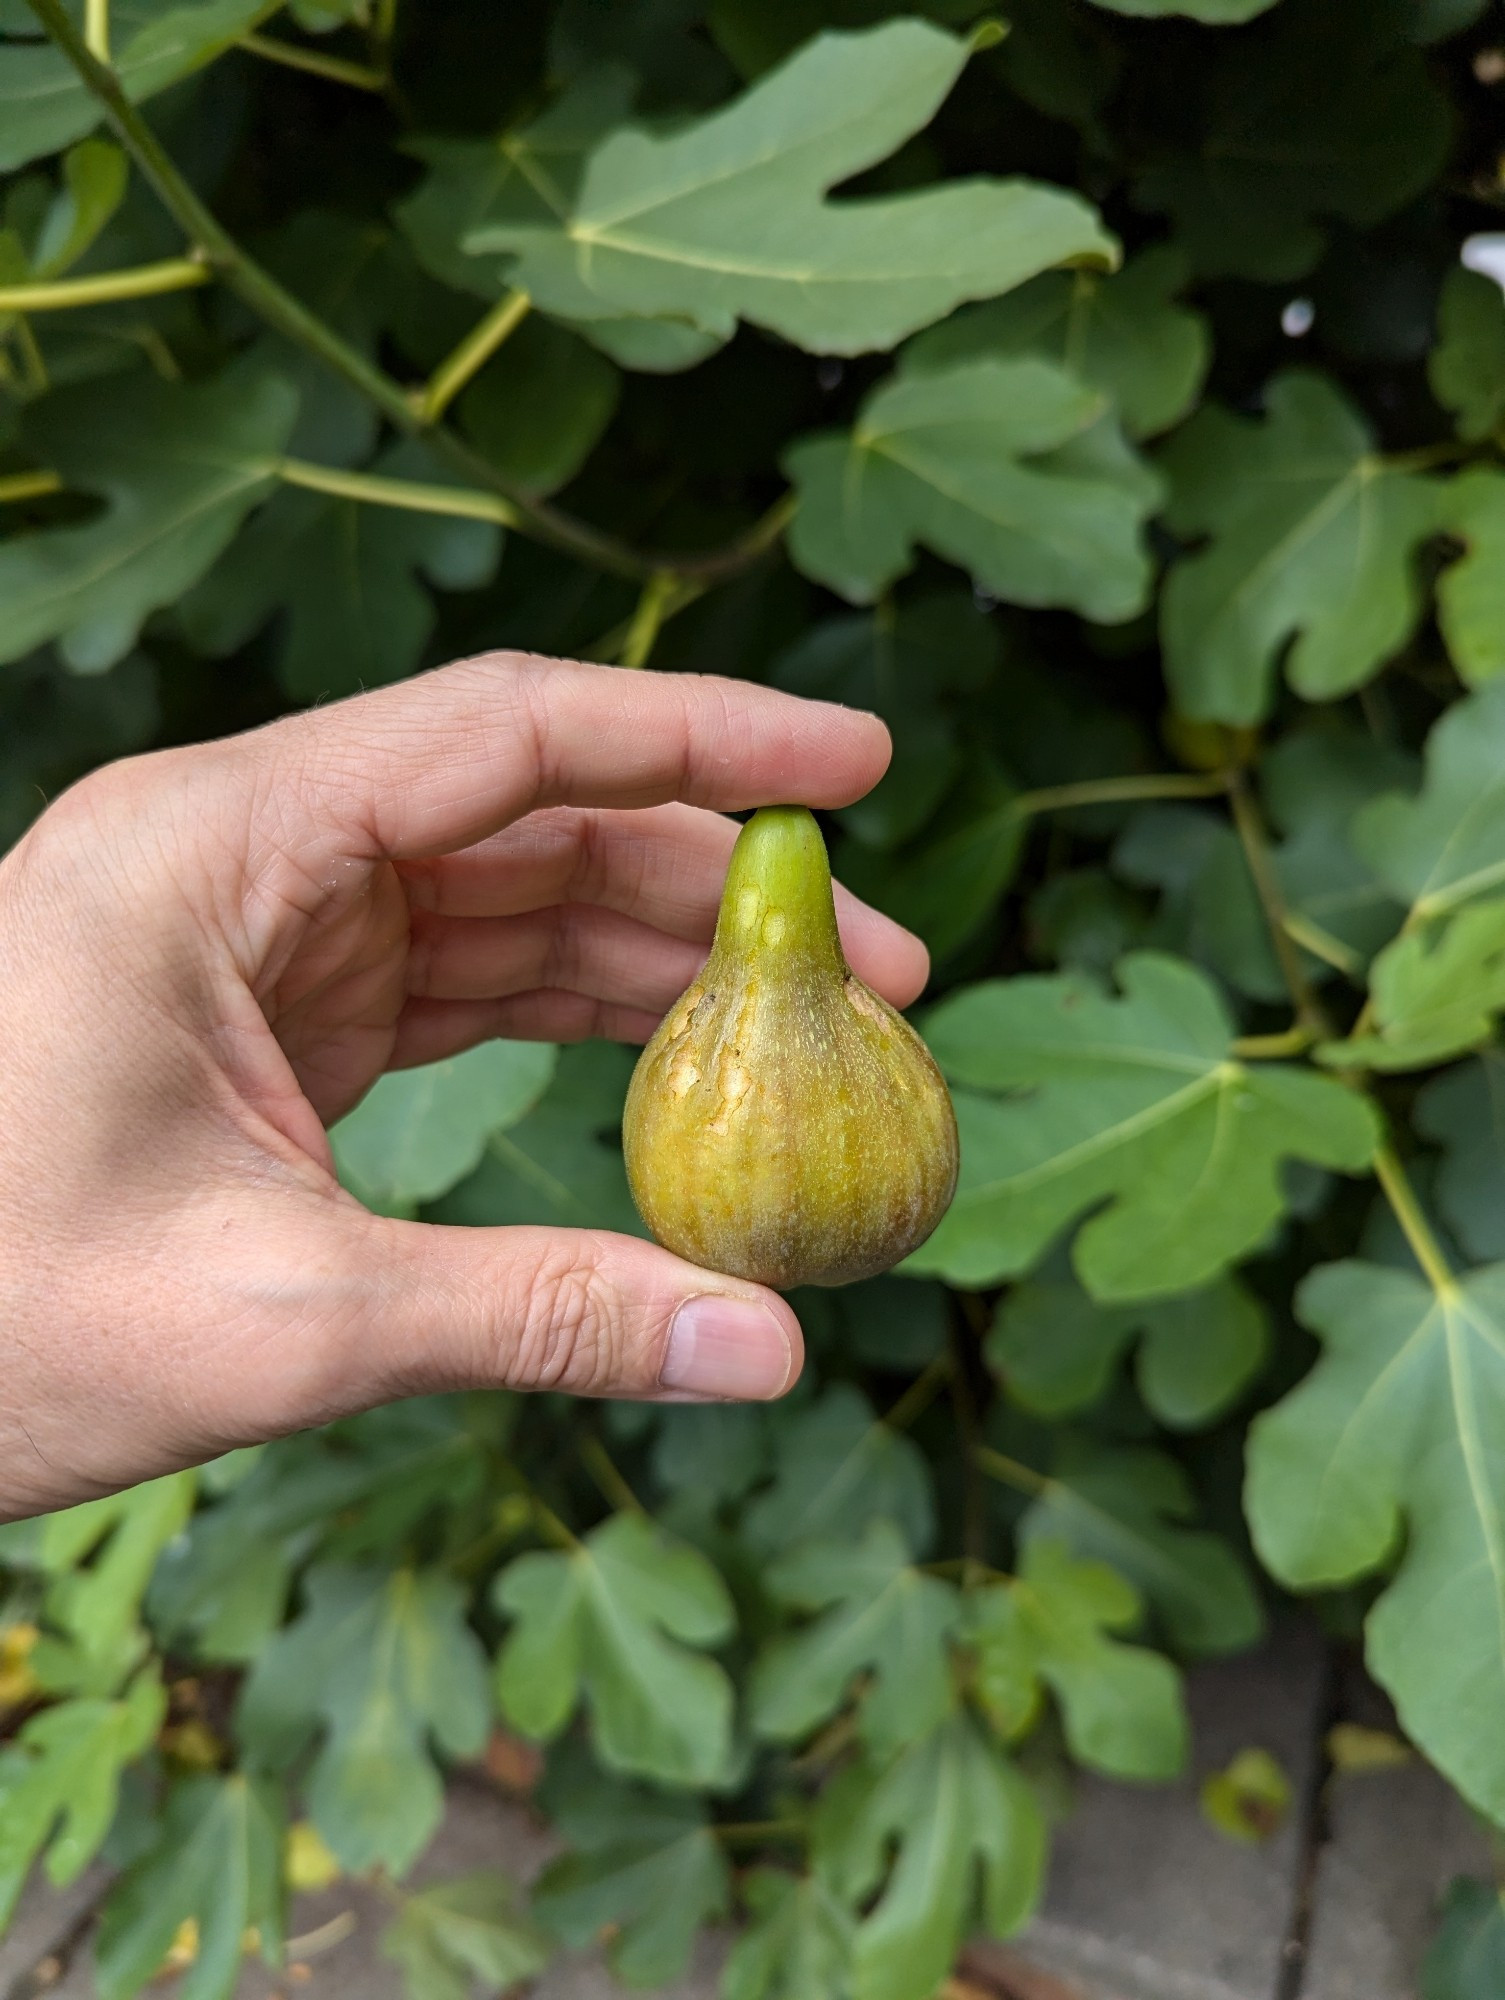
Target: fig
point(785, 1124)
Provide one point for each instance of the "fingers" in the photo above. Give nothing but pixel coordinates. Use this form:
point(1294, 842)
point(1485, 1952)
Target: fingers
point(581, 949)
point(430, 1030)
point(578, 1310)
point(441, 761)
point(664, 865)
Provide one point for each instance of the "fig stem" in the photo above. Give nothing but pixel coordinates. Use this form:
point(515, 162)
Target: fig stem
point(778, 890)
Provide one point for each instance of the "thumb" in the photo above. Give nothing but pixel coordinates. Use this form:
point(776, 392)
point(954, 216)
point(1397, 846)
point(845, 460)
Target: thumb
point(581, 1310)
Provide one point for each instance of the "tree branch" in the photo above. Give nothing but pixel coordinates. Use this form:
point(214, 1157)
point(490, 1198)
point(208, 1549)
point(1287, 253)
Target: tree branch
point(281, 310)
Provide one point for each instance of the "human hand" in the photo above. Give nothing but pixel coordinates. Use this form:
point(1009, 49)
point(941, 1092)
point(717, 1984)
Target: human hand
point(208, 955)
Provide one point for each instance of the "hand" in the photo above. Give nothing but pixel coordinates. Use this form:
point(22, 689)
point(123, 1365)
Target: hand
point(208, 955)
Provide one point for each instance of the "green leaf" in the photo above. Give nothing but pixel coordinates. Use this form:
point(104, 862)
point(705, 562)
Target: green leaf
point(94, 181)
point(621, 1622)
point(220, 1588)
point(419, 1131)
point(1125, 1508)
point(528, 178)
point(62, 1782)
point(1433, 993)
point(882, 1617)
point(1124, 335)
point(347, 576)
point(946, 883)
point(384, 1663)
point(1464, 1111)
point(914, 665)
point(1136, 1102)
point(968, 1842)
point(658, 226)
point(45, 103)
point(539, 408)
point(837, 1470)
point(1056, 1349)
point(1121, 1705)
point(1466, 1959)
point(1436, 987)
point(797, 1944)
point(1470, 595)
point(562, 1163)
point(457, 1933)
point(1321, 112)
point(653, 1874)
point(1011, 469)
point(100, 1557)
point(1312, 542)
point(179, 467)
point(217, 1859)
point(1443, 848)
point(1388, 1452)
point(1466, 367)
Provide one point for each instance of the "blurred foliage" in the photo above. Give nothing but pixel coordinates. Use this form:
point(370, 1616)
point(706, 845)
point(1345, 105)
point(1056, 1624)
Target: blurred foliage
point(1104, 403)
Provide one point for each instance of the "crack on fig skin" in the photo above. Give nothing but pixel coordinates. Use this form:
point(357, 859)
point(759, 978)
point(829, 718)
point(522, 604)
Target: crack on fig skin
point(862, 1002)
point(678, 1025)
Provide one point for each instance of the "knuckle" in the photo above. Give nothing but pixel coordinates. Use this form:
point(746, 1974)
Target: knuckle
point(574, 1336)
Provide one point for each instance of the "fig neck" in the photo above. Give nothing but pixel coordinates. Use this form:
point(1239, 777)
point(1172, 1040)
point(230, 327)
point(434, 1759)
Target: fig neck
point(777, 903)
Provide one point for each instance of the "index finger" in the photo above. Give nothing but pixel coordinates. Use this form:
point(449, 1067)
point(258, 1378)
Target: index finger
point(441, 761)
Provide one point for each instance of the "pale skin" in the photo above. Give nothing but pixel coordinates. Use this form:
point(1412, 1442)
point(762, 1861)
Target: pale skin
point(207, 956)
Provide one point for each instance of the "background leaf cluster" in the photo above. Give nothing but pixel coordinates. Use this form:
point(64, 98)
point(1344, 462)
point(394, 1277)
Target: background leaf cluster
point(1097, 393)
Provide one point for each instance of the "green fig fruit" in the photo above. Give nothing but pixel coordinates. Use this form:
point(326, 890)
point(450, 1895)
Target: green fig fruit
point(785, 1124)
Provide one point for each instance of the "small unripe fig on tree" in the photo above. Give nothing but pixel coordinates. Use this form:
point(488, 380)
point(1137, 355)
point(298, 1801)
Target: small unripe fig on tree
point(785, 1124)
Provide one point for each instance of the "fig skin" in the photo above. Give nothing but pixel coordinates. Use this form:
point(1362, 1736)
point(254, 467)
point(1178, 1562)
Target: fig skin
point(785, 1124)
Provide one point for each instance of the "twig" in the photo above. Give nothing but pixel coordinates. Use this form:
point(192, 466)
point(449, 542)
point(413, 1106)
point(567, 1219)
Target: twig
point(412, 494)
point(1249, 825)
point(647, 621)
point(1408, 1212)
point(143, 281)
point(28, 485)
point(1273, 1048)
point(1023, 1478)
point(281, 310)
point(313, 62)
point(599, 1463)
point(1116, 791)
point(921, 1392)
point(472, 354)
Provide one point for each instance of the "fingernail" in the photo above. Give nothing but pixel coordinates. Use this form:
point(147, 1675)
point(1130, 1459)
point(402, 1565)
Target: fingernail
point(733, 1349)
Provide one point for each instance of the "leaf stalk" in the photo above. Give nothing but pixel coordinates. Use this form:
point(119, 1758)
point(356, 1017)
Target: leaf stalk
point(142, 281)
point(1415, 1227)
point(472, 354)
point(313, 62)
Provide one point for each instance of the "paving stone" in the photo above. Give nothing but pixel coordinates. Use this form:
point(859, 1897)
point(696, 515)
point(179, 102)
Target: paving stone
point(44, 1923)
point(1145, 1900)
point(1395, 1839)
point(335, 1933)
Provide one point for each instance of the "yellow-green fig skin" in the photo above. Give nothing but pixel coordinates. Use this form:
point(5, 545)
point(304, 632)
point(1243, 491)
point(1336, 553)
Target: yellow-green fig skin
point(785, 1124)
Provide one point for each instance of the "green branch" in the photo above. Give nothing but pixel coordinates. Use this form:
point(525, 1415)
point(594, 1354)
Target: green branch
point(143, 281)
point(291, 318)
point(313, 62)
point(1310, 1013)
point(28, 485)
point(97, 29)
point(1417, 1231)
point(1118, 791)
point(280, 309)
point(472, 354)
point(411, 494)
